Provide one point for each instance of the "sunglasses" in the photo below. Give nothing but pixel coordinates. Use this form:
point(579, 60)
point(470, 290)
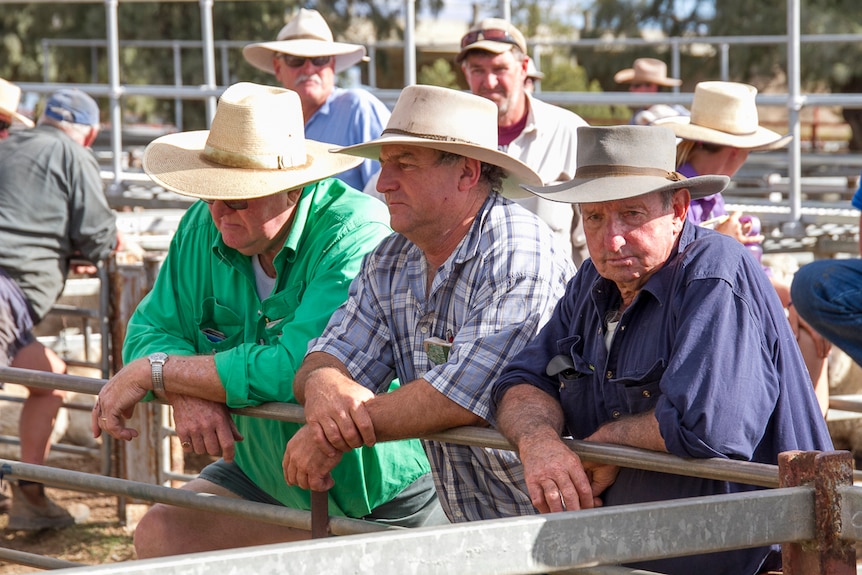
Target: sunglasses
point(299, 61)
point(4, 125)
point(494, 34)
point(235, 205)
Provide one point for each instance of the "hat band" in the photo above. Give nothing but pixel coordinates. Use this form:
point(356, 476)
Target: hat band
point(303, 37)
point(435, 137)
point(611, 171)
point(261, 162)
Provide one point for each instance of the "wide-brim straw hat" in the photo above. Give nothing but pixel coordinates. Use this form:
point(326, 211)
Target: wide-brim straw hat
point(619, 162)
point(451, 121)
point(307, 35)
point(725, 114)
point(646, 70)
point(10, 97)
point(256, 147)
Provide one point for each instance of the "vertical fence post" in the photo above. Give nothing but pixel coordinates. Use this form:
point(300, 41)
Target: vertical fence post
point(828, 553)
point(320, 515)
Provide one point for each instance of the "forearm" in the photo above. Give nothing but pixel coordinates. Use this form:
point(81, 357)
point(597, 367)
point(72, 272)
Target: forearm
point(194, 375)
point(416, 409)
point(640, 430)
point(527, 413)
point(315, 369)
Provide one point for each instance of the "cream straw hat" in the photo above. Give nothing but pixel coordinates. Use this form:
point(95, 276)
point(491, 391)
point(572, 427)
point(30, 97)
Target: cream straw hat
point(724, 113)
point(10, 97)
point(255, 148)
point(307, 35)
point(451, 121)
point(618, 162)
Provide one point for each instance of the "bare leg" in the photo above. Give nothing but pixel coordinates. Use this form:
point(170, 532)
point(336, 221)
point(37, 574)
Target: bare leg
point(168, 530)
point(40, 408)
point(817, 369)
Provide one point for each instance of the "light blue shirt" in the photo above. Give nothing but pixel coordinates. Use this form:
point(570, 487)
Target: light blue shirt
point(350, 117)
point(488, 300)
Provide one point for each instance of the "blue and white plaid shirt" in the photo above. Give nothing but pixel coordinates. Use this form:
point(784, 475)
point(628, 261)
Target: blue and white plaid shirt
point(489, 299)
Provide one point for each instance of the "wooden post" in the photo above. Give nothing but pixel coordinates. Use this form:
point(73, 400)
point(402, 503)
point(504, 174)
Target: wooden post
point(828, 553)
point(320, 514)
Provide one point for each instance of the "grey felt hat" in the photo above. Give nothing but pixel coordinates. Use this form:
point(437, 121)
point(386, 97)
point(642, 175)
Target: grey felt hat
point(618, 162)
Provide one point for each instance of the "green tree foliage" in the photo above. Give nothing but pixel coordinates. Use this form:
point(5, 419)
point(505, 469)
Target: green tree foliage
point(440, 73)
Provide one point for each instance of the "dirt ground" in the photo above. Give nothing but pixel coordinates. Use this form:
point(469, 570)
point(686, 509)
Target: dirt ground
point(100, 539)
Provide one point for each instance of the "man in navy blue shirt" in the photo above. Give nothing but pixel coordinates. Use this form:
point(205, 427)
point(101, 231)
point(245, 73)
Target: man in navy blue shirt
point(669, 338)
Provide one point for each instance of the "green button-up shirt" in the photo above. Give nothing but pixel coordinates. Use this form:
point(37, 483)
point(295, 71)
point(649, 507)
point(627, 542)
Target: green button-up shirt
point(206, 290)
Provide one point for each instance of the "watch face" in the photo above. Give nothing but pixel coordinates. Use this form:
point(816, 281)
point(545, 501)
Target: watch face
point(158, 356)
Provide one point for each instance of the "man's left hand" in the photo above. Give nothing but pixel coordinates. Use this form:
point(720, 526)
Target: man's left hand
point(117, 400)
point(305, 464)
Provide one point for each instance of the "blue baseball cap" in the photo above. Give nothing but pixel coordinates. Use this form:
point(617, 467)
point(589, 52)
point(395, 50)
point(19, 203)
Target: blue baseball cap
point(72, 105)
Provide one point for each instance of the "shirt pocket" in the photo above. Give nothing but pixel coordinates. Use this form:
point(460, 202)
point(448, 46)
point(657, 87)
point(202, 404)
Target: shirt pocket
point(642, 390)
point(575, 377)
point(219, 327)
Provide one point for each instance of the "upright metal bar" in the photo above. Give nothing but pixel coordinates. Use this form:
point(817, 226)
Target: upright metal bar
point(176, 50)
point(409, 42)
point(114, 92)
point(208, 55)
point(794, 106)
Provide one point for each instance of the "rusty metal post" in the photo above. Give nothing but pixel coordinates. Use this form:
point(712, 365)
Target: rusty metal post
point(320, 515)
point(828, 553)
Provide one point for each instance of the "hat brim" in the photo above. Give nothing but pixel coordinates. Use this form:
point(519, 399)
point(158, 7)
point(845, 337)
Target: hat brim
point(487, 46)
point(176, 162)
point(18, 118)
point(760, 139)
point(346, 55)
point(584, 191)
point(628, 75)
point(517, 173)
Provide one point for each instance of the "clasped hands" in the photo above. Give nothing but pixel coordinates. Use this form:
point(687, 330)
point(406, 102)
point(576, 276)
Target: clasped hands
point(337, 420)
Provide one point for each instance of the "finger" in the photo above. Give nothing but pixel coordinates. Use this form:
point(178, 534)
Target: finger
point(332, 439)
point(237, 436)
point(318, 483)
point(362, 420)
point(226, 444)
point(553, 497)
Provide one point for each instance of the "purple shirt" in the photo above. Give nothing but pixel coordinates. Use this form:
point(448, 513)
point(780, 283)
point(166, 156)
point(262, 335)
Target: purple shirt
point(706, 208)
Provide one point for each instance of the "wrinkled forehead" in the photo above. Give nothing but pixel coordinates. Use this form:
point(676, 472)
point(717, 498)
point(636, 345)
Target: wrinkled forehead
point(402, 152)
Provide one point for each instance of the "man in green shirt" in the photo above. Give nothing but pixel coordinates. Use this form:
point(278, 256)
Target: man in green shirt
point(253, 273)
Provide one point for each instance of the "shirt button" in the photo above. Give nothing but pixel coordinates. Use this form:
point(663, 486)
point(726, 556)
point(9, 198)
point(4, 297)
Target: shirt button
point(259, 313)
point(622, 328)
point(609, 374)
point(646, 393)
point(423, 329)
point(616, 414)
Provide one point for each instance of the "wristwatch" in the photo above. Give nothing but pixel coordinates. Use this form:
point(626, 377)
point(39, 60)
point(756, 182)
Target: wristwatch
point(157, 362)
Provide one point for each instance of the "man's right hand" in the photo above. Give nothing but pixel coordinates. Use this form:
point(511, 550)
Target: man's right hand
point(556, 478)
point(336, 404)
point(204, 426)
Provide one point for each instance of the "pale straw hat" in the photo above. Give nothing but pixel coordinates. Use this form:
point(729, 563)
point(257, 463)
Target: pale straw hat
point(255, 148)
point(10, 97)
point(451, 121)
point(724, 113)
point(307, 35)
point(618, 162)
point(646, 71)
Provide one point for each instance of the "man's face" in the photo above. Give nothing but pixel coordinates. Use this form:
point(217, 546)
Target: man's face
point(648, 87)
point(259, 228)
point(497, 77)
point(421, 192)
point(5, 123)
point(629, 240)
point(312, 82)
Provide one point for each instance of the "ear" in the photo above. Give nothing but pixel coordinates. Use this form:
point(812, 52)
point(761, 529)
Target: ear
point(680, 204)
point(91, 137)
point(471, 172)
point(293, 195)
